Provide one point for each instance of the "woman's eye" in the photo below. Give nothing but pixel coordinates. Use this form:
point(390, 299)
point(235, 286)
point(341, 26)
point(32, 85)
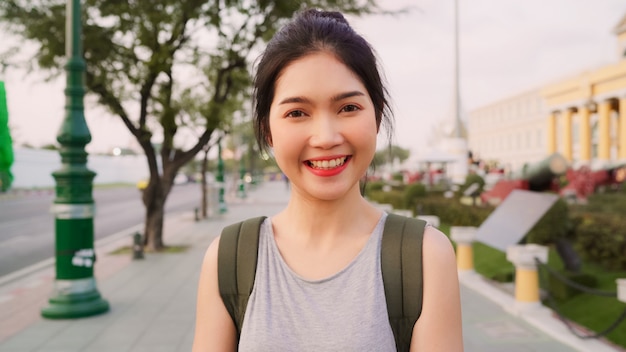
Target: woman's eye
point(295, 113)
point(350, 108)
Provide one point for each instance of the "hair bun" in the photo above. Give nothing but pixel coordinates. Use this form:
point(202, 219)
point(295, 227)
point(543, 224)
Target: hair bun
point(337, 16)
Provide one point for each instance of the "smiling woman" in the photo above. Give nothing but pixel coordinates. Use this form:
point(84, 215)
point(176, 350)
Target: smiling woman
point(318, 284)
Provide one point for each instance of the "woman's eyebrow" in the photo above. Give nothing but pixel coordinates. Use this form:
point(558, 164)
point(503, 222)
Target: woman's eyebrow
point(294, 100)
point(345, 95)
point(334, 98)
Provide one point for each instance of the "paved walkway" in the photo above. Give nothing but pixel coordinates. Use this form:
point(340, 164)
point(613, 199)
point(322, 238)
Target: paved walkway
point(153, 300)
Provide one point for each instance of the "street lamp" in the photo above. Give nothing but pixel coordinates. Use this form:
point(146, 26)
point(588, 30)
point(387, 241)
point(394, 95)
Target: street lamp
point(242, 177)
point(75, 293)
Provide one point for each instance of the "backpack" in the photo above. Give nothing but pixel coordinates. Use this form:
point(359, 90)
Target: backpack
point(401, 265)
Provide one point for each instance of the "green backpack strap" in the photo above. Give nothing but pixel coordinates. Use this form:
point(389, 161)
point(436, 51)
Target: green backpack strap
point(401, 265)
point(236, 266)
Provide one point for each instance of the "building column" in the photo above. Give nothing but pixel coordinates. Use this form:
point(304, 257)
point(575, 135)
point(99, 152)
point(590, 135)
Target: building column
point(526, 275)
point(621, 137)
point(604, 131)
point(585, 134)
point(552, 148)
point(567, 134)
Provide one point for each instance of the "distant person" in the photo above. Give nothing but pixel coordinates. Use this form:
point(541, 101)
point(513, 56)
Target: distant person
point(319, 103)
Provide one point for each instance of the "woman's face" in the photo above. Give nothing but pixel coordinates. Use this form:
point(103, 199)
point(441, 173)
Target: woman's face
point(323, 126)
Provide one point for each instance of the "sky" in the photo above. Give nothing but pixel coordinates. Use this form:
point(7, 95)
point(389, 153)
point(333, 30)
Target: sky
point(506, 47)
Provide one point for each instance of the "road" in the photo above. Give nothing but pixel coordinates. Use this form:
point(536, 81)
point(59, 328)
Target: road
point(27, 226)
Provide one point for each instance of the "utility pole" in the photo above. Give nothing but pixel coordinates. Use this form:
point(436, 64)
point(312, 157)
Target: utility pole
point(75, 293)
point(457, 89)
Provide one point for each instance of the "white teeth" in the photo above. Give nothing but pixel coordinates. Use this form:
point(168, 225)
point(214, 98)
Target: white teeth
point(327, 164)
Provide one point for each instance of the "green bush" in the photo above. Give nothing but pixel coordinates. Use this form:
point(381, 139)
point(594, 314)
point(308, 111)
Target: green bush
point(412, 193)
point(452, 212)
point(393, 197)
point(601, 238)
point(607, 203)
point(554, 224)
point(469, 180)
point(373, 186)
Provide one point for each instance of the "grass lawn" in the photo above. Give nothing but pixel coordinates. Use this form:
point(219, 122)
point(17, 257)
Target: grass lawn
point(595, 313)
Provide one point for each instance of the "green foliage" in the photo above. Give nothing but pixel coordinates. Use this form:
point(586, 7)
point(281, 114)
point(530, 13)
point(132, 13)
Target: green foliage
point(599, 229)
point(413, 193)
point(471, 179)
point(393, 197)
point(601, 239)
point(373, 187)
point(51, 146)
point(387, 155)
point(554, 224)
point(398, 177)
point(603, 203)
point(451, 211)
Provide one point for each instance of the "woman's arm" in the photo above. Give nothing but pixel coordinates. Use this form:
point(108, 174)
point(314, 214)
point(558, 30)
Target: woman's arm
point(215, 330)
point(439, 327)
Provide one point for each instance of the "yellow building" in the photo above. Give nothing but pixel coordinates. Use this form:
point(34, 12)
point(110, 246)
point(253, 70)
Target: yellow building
point(582, 117)
point(586, 117)
point(510, 131)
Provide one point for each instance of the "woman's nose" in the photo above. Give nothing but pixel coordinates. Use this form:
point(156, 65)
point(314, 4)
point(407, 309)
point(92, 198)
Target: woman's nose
point(326, 132)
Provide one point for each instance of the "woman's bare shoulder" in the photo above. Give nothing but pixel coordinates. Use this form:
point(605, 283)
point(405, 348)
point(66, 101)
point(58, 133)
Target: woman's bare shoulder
point(436, 243)
point(439, 327)
point(214, 327)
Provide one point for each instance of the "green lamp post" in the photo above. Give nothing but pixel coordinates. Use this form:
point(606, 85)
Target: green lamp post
point(220, 178)
point(75, 293)
point(242, 178)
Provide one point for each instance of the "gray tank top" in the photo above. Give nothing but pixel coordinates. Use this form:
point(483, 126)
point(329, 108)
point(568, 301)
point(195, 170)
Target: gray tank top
point(344, 312)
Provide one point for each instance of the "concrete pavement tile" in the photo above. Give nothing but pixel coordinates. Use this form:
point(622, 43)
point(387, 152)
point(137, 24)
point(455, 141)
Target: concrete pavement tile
point(155, 348)
point(34, 336)
point(109, 346)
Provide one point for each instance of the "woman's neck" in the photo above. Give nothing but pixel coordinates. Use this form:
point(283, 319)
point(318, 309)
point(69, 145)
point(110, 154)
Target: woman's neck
point(315, 218)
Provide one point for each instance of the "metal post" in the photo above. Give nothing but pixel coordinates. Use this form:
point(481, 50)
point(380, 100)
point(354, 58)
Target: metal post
point(242, 175)
point(220, 177)
point(75, 293)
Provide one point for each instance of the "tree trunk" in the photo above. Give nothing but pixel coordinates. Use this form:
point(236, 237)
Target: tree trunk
point(154, 228)
point(154, 201)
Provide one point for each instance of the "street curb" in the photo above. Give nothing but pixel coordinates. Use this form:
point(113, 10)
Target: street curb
point(100, 244)
point(540, 317)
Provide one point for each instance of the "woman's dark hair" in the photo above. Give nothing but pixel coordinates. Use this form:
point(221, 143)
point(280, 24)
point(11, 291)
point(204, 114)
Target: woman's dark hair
point(309, 32)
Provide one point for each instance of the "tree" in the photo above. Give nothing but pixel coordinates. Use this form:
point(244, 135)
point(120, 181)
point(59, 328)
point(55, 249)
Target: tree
point(390, 154)
point(146, 59)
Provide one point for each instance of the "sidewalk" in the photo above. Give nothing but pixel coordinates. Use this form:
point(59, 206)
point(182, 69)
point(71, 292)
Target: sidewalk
point(153, 300)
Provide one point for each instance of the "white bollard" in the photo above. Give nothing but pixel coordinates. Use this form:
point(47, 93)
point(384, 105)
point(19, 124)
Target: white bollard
point(621, 289)
point(526, 274)
point(464, 237)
